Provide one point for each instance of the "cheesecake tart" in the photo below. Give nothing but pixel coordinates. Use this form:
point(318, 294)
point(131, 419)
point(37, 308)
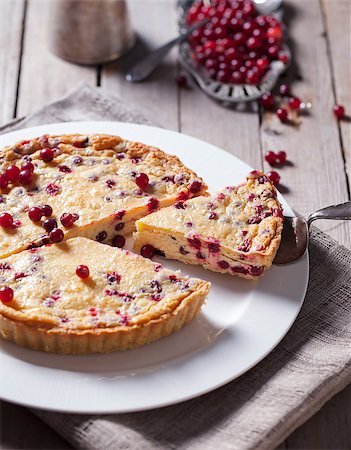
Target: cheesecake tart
point(235, 231)
point(81, 296)
point(57, 187)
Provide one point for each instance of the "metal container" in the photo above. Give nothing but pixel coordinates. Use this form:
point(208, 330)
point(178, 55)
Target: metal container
point(90, 31)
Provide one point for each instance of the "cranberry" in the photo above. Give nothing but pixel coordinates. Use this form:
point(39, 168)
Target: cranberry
point(25, 177)
point(12, 173)
point(56, 235)
point(68, 219)
point(284, 89)
point(223, 76)
point(262, 63)
point(195, 187)
point(239, 38)
point(253, 43)
point(273, 51)
point(273, 177)
point(83, 272)
point(119, 241)
point(275, 33)
point(294, 102)
point(339, 111)
point(270, 157)
point(28, 166)
point(142, 180)
point(281, 157)
point(46, 210)
point(153, 204)
point(35, 213)
point(181, 80)
point(194, 242)
point(148, 251)
point(223, 264)
point(6, 294)
point(283, 57)
point(267, 100)
point(252, 77)
point(6, 220)
point(3, 181)
point(282, 114)
point(47, 154)
point(100, 237)
point(213, 216)
point(49, 225)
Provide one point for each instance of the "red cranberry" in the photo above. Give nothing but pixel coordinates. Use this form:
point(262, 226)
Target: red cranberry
point(181, 80)
point(284, 90)
point(49, 225)
point(195, 187)
point(253, 43)
point(35, 213)
point(239, 38)
point(281, 157)
point(119, 241)
point(294, 102)
point(56, 235)
point(6, 294)
point(47, 154)
point(270, 157)
point(275, 33)
point(273, 51)
point(339, 111)
point(27, 166)
point(252, 77)
point(273, 177)
point(6, 220)
point(283, 57)
point(68, 219)
point(142, 180)
point(82, 271)
point(267, 100)
point(282, 114)
point(46, 210)
point(3, 181)
point(262, 63)
point(12, 173)
point(223, 264)
point(25, 177)
point(148, 251)
point(100, 237)
point(153, 204)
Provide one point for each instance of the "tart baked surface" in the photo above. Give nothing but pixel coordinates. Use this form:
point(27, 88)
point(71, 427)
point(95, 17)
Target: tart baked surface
point(93, 178)
point(236, 231)
point(126, 301)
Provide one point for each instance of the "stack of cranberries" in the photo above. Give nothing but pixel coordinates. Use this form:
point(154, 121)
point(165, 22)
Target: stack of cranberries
point(236, 45)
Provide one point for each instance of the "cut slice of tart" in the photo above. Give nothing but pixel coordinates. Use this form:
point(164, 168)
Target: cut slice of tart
point(236, 231)
point(81, 296)
point(94, 186)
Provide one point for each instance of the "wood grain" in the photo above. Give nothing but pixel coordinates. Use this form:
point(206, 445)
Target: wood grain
point(11, 21)
point(157, 96)
point(338, 19)
point(316, 177)
point(45, 77)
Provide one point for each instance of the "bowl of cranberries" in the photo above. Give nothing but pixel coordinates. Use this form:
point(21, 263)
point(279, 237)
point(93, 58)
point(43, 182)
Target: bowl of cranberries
point(238, 54)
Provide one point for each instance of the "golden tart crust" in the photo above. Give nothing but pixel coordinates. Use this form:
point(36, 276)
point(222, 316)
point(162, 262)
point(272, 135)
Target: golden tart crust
point(126, 302)
point(235, 231)
point(92, 176)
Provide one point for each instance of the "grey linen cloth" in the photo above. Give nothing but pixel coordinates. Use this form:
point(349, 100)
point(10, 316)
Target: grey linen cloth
point(262, 407)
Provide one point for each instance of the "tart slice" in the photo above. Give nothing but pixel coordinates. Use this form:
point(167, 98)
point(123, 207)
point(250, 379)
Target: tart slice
point(236, 231)
point(56, 187)
point(83, 297)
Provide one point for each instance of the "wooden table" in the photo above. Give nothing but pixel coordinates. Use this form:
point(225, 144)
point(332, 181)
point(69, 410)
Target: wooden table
point(319, 149)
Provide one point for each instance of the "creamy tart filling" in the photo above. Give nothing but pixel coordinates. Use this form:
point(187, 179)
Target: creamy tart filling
point(236, 231)
point(121, 291)
point(101, 184)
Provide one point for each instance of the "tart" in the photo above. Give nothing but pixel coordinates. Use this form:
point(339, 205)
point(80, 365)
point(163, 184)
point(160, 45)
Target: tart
point(236, 231)
point(95, 186)
point(81, 296)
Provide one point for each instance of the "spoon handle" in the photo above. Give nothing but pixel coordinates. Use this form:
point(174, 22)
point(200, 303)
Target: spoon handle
point(147, 65)
point(335, 212)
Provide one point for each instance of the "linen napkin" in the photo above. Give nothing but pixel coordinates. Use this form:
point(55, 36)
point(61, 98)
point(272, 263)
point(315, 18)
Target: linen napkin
point(262, 407)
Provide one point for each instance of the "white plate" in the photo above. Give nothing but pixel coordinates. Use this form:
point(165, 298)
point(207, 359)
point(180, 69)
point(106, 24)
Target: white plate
point(241, 322)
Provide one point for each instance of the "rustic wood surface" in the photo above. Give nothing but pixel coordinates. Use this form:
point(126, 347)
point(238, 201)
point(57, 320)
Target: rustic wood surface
point(319, 148)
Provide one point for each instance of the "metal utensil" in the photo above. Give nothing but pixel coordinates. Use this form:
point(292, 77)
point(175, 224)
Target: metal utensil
point(295, 234)
point(146, 66)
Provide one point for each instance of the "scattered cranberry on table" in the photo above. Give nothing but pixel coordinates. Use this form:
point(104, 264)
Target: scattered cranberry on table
point(46, 210)
point(267, 100)
point(49, 224)
point(294, 103)
point(339, 112)
point(68, 219)
point(83, 271)
point(6, 294)
point(237, 45)
point(273, 177)
point(181, 80)
point(35, 213)
point(275, 158)
point(56, 235)
point(284, 90)
point(282, 114)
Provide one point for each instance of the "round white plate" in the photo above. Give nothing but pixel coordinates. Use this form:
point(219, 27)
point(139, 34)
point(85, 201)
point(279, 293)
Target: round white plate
point(241, 322)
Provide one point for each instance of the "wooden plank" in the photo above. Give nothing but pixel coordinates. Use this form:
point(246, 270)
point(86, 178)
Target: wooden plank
point(316, 177)
point(45, 77)
point(11, 22)
point(328, 429)
point(338, 17)
point(156, 96)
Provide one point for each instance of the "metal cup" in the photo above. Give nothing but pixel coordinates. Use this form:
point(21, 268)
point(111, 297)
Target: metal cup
point(90, 31)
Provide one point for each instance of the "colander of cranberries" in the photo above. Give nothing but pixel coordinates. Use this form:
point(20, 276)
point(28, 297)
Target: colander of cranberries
point(239, 54)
